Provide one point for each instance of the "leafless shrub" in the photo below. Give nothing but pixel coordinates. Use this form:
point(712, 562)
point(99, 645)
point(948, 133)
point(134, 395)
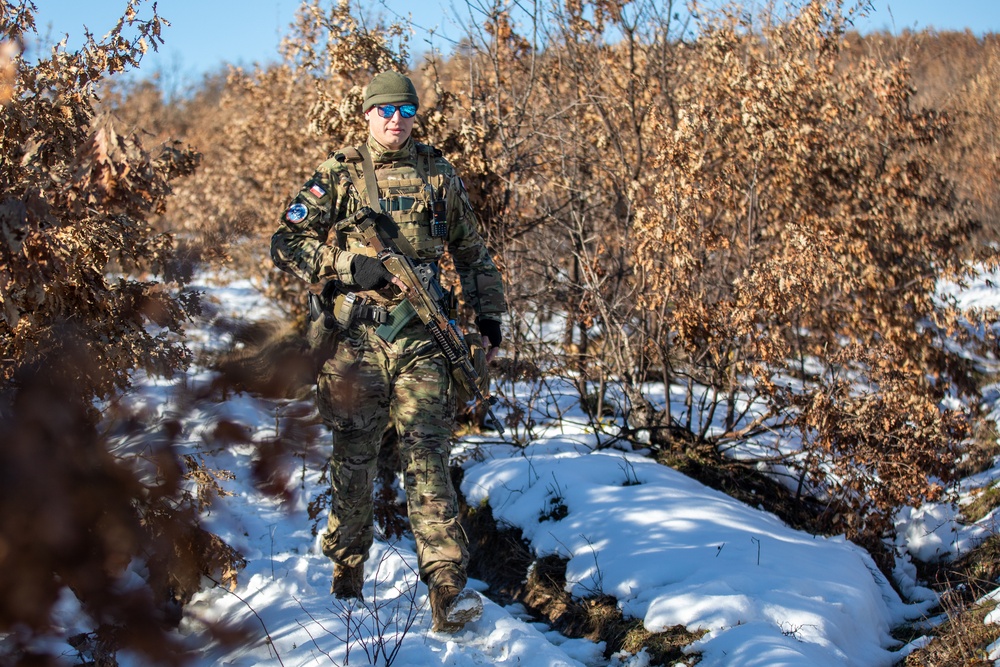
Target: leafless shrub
point(375, 625)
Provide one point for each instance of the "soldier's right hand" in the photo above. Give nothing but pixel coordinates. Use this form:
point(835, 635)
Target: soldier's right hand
point(370, 273)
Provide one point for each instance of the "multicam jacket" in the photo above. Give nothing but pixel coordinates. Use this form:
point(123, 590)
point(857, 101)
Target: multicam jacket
point(317, 241)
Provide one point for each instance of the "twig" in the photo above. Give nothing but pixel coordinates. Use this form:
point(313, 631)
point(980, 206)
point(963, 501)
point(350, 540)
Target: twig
point(313, 639)
point(273, 526)
point(270, 641)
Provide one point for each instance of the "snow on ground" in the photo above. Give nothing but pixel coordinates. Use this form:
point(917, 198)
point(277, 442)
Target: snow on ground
point(675, 552)
point(672, 551)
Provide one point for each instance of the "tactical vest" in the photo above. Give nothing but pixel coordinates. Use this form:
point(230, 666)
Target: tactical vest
point(413, 195)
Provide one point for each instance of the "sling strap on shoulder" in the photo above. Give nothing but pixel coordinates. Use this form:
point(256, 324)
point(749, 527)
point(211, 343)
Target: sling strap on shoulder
point(375, 202)
point(371, 183)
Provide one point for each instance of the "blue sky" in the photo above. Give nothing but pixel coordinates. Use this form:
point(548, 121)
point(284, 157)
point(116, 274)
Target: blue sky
point(204, 34)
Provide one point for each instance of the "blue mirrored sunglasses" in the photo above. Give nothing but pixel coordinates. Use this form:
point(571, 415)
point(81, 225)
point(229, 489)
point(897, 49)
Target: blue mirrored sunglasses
point(405, 110)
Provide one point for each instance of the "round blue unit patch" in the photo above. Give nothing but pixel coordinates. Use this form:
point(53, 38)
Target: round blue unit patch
point(296, 212)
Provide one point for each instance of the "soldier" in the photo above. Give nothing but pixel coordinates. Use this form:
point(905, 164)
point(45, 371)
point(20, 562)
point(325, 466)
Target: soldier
point(385, 367)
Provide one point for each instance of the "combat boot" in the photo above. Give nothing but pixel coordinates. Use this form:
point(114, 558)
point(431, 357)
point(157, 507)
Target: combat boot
point(451, 608)
point(347, 581)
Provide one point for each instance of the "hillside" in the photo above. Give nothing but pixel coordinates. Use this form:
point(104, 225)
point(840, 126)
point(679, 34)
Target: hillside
point(670, 551)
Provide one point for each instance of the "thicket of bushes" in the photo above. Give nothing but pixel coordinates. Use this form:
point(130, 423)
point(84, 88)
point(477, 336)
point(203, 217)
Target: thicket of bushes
point(758, 212)
point(759, 215)
point(90, 292)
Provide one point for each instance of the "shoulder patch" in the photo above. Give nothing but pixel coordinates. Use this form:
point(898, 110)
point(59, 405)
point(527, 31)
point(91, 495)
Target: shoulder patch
point(296, 213)
point(317, 190)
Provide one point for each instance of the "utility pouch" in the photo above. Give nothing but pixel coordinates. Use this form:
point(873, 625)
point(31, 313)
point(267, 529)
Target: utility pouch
point(346, 308)
point(343, 309)
point(336, 307)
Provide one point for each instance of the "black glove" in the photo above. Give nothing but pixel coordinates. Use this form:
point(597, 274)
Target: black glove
point(490, 329)
point(369, 273)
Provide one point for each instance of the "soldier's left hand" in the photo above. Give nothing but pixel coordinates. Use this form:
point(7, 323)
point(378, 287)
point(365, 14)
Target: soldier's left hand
point(492, 337)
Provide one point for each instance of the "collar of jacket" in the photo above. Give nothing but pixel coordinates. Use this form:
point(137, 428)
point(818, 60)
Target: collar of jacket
point(382, 154)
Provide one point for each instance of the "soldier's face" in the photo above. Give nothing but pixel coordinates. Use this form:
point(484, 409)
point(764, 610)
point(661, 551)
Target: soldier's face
point(391, 132)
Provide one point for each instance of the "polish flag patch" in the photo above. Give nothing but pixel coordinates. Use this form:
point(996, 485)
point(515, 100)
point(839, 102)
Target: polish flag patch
point(317, 190)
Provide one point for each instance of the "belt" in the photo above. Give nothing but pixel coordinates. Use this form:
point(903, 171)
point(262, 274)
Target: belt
point(352, 308)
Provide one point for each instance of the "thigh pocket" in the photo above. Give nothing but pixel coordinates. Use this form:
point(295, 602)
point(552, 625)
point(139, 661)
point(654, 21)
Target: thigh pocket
point(337, 400)
point(350, 390)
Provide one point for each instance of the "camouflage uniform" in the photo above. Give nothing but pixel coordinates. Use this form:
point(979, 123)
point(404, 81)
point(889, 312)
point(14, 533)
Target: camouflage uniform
point(399, 376)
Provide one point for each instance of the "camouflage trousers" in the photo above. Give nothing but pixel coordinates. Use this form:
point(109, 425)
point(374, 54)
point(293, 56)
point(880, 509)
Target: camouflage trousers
point(366, 386)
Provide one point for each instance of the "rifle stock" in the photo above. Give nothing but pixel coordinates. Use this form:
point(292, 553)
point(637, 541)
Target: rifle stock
point(428, 307)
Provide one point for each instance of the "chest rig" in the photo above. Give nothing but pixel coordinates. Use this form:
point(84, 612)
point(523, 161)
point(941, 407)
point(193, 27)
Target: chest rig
point(410, 191)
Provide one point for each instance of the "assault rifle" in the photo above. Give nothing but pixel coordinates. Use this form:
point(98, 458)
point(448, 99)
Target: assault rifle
point(425, 295)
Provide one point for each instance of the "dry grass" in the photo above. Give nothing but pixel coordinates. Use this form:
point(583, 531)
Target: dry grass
point(986, 501)
point(963, 641)
point(981, 453)
point(962, 638)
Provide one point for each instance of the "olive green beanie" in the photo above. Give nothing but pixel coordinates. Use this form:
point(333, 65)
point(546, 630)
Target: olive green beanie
point(389, 88)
